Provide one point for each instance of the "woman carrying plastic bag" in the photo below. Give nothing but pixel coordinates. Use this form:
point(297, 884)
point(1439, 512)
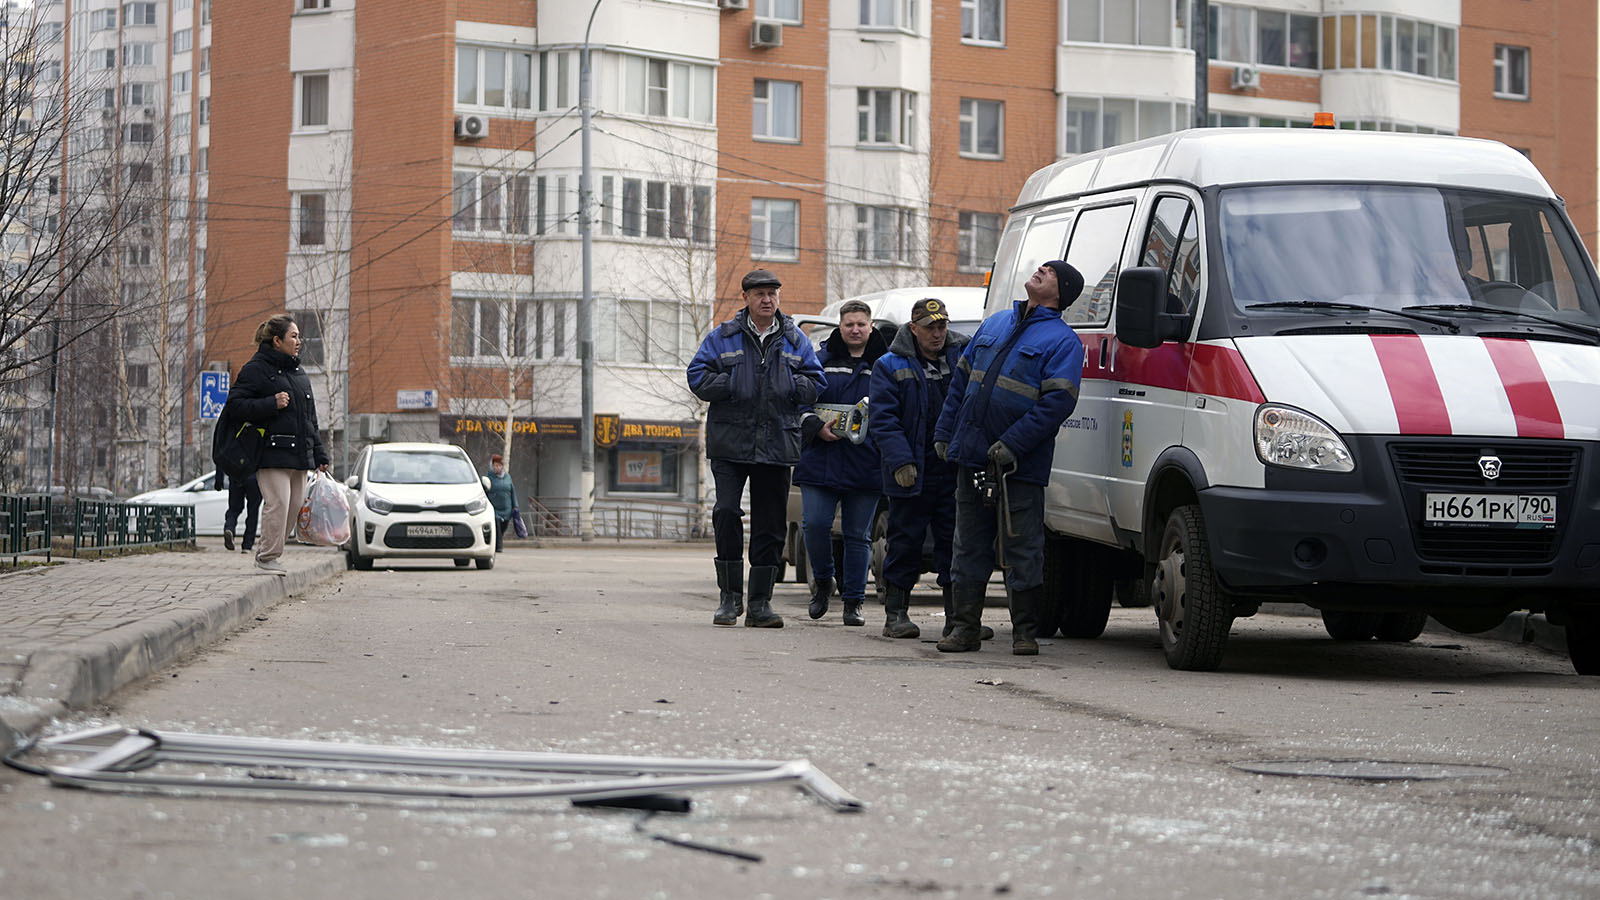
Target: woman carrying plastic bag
point(325, 515)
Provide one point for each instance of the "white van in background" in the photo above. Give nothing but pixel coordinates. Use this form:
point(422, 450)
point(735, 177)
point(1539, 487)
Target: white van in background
point(1355, 370)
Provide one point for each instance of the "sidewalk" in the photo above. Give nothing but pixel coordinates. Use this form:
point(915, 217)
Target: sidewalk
point(72, 634)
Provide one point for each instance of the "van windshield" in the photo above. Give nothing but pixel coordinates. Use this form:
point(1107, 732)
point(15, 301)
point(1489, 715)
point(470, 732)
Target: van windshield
point(1394, 247)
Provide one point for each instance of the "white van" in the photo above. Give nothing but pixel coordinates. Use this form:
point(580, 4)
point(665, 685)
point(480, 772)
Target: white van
point(1354, 370)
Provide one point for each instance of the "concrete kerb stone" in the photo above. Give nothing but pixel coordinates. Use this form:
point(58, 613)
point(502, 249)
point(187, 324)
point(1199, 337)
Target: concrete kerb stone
point(79, 675)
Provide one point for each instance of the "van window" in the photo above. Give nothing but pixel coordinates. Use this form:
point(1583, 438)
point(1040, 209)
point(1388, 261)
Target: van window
point(1046, 236)
point(1172, 243)
point(1096, 252)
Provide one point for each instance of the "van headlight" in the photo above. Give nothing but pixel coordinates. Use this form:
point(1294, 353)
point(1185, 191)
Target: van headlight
point(1286, 436)
point(379, 505)
point(476, 506)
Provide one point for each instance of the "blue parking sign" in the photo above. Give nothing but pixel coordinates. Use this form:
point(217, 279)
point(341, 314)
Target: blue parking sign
point(213, 394)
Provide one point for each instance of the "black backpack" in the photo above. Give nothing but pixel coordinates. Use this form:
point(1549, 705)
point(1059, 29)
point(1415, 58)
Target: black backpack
point(236, 447)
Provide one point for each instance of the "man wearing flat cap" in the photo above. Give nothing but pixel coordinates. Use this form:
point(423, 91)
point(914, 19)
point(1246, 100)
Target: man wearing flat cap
point(1015, 384)
point(756, 371)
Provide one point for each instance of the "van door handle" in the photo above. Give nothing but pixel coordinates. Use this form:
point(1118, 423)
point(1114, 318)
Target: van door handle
point(1104, 361)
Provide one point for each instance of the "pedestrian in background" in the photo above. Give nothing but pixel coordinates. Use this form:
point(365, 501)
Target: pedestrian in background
point(755, 371)
point(244, 496)
point(502, 496)
point(908, 391)
point(1016, 382)
point(835, 474)
point(272, 392)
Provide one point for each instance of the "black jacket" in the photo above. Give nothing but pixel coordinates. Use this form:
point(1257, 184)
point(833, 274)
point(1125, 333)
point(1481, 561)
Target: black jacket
point(291, 441)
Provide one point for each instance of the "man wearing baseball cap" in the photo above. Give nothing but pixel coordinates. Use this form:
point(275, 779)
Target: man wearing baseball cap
point(755, 371)
point(1015, 384)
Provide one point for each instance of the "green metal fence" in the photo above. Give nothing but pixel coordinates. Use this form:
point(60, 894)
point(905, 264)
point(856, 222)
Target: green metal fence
point(24, 526)
point(101, 525)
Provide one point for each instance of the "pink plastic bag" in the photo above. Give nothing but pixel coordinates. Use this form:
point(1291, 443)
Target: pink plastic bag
point(325, 514)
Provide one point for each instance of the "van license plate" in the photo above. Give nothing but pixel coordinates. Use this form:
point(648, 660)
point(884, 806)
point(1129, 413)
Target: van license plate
point(1514, 510)
point(429, 531)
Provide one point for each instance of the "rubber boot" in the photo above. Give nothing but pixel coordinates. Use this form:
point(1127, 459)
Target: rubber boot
point(966, 603)
point(852, 612)
point(1025, 621)
point(820, 592)
point(730, 581)
point(985, 632)
point(896, 624)
point(761, 614)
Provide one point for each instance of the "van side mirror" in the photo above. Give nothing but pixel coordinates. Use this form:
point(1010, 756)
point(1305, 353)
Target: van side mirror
point(1142, 319)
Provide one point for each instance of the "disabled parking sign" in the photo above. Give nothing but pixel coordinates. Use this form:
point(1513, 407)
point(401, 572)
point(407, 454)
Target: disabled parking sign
point(213, 394)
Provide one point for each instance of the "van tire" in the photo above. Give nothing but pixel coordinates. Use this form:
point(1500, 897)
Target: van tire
point(1344, 625)
point(1078, 589)
point(1194, 612)
point(1583, 641)
point(1132, 593)
point(1400, 627)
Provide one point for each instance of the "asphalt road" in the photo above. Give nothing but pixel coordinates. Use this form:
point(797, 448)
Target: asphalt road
point(1091, 770)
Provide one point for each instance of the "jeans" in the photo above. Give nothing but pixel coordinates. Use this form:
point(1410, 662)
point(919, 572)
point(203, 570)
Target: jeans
point(816, 521)
point(909, 521)
point(244, 496)
point(769, 502)
point(977, 526)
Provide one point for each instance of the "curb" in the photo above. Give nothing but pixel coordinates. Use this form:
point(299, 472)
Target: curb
point(82, 674)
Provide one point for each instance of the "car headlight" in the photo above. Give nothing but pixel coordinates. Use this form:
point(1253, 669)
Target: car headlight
point(379, 505)
point(1286, 436)
point(477, 506)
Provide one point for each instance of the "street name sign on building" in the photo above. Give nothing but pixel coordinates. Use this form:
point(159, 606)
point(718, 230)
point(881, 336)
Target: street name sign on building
point(213, 394)
point(428, 399)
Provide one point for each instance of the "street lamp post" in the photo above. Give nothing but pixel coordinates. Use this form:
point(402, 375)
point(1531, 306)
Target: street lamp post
point(586, 303)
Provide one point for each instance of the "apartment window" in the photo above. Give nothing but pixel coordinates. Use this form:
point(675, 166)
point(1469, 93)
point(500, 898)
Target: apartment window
point(205, 12)
point(138, 93)
point(102, 59)
point(607, 203)
point(311, 211)
point(1149, 22)
point(182, 40)
point(312, 346)
point(779, 10)
point(141, 133)
point(1094, 123)
point(489, 327)
point(313, 97)
point(555, 80)
point(138, 54)
point(1285, 39)
point(490, 202)
point(776, 110)
point(898, 14)
point(659, 209)
point(180, 83)
point(885, 117)
point(205, 110)
point(138, 255)
point(774, 229)
point(139, 14)
point(884, 234)
point(202, 159)
point(180, 164)
point(659, 87)
point(464, 202)
point(1511, 72)
point(982, 124)
point(983, 21)
point(138, 373)
point(308, 5)
point(1389, 42)
point(203, 64)
point(516, 188)
point(183, 4)
point(103, 20)
point(50, 72)
point(494, 77)
point(977, 237)
point(49, 33)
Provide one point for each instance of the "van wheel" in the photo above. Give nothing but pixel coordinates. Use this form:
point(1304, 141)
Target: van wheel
point(1343, 625)
point(1583, 641)
point(802, 563)
point(1194, 613)
point(1132, 593)
point(1057, 585)
point(1077, 589)
point(880, 550)
point(1401, 626)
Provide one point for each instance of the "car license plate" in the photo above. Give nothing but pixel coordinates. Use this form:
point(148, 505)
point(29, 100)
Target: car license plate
point(430, 531)
point(1513, 510)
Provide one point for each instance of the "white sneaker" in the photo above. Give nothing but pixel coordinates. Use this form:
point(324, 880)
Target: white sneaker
point(272, 566)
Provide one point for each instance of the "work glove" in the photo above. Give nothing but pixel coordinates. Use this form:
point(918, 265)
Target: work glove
point(906, 475)
point(941, 450)
point(1001, 455)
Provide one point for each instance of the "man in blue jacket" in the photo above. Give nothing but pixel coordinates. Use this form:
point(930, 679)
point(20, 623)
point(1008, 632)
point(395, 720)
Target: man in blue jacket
point(756, 371)
point(1016, 382)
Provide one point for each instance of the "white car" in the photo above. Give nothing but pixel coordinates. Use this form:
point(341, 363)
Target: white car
point(418, 501)
point(210, 504)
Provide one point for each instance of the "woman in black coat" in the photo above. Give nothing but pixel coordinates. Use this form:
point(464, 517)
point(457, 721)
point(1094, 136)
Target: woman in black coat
point(274, 393)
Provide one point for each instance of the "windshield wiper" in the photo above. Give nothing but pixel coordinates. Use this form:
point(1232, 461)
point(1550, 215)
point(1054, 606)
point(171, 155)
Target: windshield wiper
point(1356, 307)
point(1577, 327)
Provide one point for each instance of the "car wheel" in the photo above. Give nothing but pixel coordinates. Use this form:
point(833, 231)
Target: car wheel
point(485, 563)
point(462, 562)
point(1401, 626)
point(1343, 625)
point(355, 559)
point(1194, 613)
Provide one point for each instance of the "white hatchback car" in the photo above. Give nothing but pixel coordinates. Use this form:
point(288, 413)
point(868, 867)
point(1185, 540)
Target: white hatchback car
point(209, 503)
point(418, 501)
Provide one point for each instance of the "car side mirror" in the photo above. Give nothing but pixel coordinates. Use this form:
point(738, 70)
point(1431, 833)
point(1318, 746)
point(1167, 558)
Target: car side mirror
point(353, 482)
point(1142, 319)
point(485, 480)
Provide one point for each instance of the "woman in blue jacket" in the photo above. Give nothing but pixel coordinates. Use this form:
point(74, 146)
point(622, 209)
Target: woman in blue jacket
point(836, 474)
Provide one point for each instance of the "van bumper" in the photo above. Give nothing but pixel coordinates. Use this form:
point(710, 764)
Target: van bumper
point(1333, 546)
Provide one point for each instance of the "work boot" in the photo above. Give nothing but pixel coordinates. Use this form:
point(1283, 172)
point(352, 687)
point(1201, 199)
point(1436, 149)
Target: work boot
point(1025, 620)
point(966, 603)
point(761, 614)
point(852, 612)
point(984, 631)
point(730, 581)
point(896, 623)
point(820, 592)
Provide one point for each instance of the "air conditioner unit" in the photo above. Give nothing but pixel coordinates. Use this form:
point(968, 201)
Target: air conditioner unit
point(766, 34)
point(373, 426)
point(472, 127)
point(734, 4)
point(1248, 77)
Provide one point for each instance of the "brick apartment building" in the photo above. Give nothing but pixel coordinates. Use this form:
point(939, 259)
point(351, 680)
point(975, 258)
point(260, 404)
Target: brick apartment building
point(407, 182)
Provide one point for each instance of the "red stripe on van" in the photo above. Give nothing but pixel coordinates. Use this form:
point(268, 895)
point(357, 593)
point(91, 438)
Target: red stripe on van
point(1218, 371)
point(1413, 387)
point(1532, 402)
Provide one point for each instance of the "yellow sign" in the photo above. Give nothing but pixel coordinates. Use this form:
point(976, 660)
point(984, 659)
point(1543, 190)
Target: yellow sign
point(639, 429)
point(607, 429)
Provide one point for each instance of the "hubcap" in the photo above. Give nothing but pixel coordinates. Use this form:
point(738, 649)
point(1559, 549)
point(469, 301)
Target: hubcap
point(1168, 593)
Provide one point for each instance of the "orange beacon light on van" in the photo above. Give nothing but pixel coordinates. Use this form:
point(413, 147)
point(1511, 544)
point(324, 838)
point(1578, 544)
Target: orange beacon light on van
point(1322, 120)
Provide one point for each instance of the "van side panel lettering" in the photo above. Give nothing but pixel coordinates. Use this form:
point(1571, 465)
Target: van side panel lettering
point(1413, 388)
point(1532, 402)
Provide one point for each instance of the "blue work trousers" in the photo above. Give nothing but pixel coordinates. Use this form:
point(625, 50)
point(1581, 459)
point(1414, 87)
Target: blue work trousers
point(977, 524)
point(910, 519)
point(818, 505)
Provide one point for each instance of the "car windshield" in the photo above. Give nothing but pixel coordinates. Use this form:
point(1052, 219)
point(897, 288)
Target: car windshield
point(1394, 247)
point(419, 467)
